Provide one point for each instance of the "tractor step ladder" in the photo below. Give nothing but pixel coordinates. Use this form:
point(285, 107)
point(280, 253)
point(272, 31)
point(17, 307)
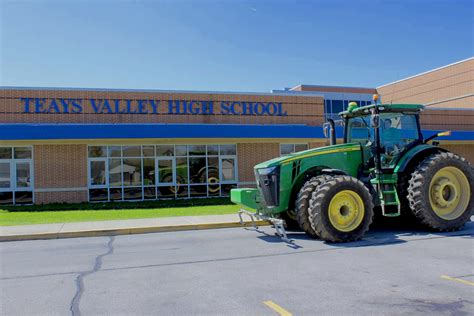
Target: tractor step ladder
point(388, 196)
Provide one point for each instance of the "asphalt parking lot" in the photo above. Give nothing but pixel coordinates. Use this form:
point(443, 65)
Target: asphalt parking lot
point(240, 272)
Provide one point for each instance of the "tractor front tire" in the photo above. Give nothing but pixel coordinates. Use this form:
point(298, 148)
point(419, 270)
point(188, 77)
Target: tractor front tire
point(440, 192)
point(341, 209)
point(290, 220)
point(302, 203)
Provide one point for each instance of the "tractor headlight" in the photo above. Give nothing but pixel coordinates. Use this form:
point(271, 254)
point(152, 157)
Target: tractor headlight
point(266, 171)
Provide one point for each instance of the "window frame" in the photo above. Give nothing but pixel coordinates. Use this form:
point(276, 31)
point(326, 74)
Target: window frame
point(328, 104)
point(13, 174)
point(157, 171)
point(187, 187)
point(221, 178)
point(106, 169)
point(293, 147)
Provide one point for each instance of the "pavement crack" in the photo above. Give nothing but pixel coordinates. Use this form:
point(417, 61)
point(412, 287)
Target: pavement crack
point(74, 307)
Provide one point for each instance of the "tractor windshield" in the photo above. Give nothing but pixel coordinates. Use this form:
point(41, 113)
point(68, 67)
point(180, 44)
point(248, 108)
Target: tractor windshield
point(397, 132)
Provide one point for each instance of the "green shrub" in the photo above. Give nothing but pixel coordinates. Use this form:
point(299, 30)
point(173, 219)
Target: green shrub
point(117, 205)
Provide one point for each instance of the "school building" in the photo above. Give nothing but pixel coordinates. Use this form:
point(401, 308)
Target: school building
point(98, 145)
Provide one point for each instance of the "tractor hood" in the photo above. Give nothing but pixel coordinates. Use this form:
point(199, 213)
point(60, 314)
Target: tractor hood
point(307, 153)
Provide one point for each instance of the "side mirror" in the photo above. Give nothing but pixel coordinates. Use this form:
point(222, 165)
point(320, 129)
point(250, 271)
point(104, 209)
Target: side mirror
point(374, 120)
point(326, 129)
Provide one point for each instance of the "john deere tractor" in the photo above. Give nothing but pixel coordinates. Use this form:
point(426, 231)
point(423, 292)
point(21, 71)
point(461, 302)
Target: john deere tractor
point(384, 165)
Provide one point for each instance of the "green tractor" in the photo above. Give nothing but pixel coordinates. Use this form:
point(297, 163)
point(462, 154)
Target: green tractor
point(384, 165)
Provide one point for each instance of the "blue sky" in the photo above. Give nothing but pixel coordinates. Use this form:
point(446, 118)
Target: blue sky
point(228, 45)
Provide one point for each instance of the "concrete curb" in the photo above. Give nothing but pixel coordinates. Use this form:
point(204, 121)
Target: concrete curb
point(127, 231)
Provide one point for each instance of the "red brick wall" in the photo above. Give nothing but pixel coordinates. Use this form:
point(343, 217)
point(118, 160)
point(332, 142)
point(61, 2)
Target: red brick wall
point(60, 166)
point(467, 151)
point(445, 119)
point(318, 144)
point(251, 154)
point(300, 109)
point(452, 82)
point(60, 173)
point(60, 197)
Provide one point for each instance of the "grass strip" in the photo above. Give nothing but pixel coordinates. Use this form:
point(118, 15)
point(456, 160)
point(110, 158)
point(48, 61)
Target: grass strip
point(85, 212)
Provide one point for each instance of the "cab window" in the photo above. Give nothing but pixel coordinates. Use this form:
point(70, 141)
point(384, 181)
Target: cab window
point(397, 130)
point(359, 131)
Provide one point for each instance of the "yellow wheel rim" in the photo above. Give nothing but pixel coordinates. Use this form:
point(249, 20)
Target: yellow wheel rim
point(449, 193)
point(346, 210)
point(213, 181)
point(174, 188)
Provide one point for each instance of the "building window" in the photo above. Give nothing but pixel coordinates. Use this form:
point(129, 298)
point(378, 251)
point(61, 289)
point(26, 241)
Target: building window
point(286, 149)
point(16, 175)
point(332, 108)
point(148, 172)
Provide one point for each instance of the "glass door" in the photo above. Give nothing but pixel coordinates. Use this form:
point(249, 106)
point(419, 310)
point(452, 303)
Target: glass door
point(5, 175)
point(97, 172)
point(6, 184)
point(98, 180)
point(166, 176)
point(23, 174)
point(23, 182)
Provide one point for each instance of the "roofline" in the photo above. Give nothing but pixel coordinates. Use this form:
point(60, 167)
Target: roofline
point(431, 108)
point(296, 92)
point(289, 93)
point(324, 86)
point(426, 72)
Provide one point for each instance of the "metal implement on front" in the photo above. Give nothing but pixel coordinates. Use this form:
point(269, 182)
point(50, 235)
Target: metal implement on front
point(278, 223)
point(250, 199)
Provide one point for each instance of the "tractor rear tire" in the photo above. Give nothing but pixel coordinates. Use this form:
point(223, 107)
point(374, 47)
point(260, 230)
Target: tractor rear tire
point(341, 209)
point(440, 192)
point(302, 203)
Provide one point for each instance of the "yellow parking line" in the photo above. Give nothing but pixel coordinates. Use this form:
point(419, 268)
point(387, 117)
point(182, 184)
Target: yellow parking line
point(457, 280)
point(277, 308)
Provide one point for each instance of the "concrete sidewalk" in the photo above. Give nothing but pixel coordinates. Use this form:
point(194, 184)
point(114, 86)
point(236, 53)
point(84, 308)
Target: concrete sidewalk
point(121, 227)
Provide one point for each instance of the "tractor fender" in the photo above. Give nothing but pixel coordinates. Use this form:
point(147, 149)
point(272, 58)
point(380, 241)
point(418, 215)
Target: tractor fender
point(319, 170)
point(416, 155)
point(334, 172)
point(302, 178)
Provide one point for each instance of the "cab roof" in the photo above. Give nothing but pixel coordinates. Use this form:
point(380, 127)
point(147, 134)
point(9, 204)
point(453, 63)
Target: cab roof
point(364, 110)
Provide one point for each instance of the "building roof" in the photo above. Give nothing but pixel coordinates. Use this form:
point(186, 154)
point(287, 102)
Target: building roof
point(276, 93)
point(341, 89)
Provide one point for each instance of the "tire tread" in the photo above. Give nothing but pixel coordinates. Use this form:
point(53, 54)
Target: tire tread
point(303, 202)
point(316, 210)
point(419, 202)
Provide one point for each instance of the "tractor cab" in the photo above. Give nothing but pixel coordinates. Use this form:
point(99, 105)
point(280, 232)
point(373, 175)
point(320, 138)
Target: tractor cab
point(398, 129)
